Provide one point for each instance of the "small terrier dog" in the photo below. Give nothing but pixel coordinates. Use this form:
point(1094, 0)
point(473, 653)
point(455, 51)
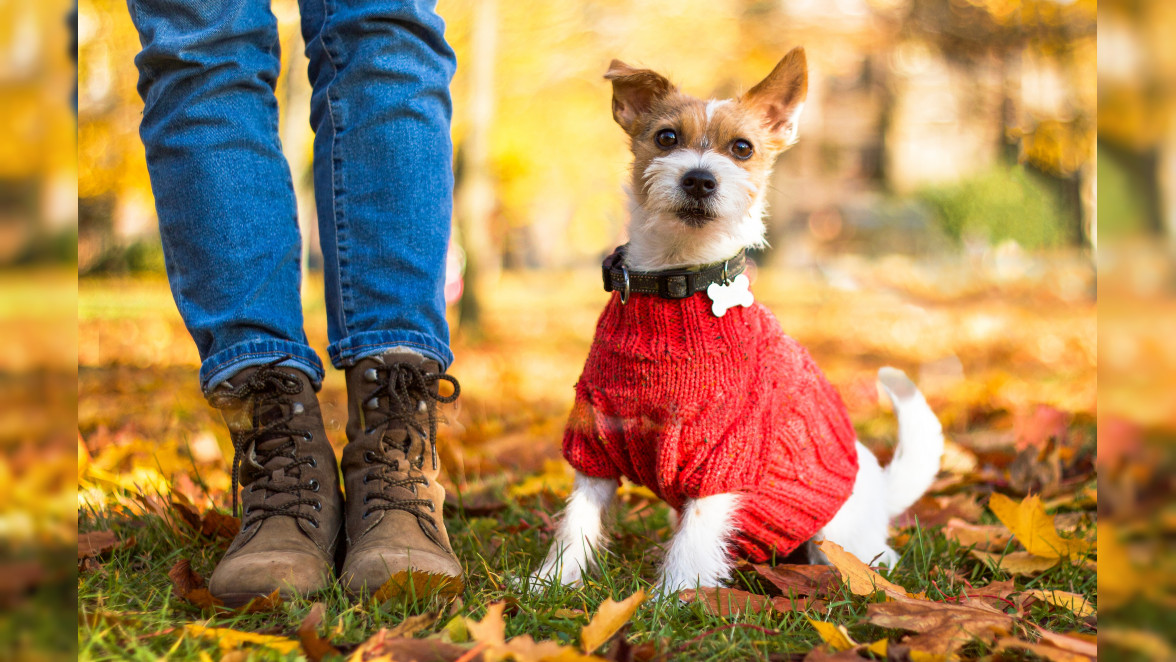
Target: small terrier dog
point(692, 389)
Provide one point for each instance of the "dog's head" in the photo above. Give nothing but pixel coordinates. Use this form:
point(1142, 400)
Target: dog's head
point(700, 168)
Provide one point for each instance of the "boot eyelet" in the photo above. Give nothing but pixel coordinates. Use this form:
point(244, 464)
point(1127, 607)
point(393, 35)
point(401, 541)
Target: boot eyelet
point(369, 456)
point(372, 404)
point(432, 508)
point(297, 408)
point(315, 523)
point(248, 512)
point(370, 375)
point(314, 485)
point(318, 505)
point(366, 499)
point(309, 436)
point(367, 478)
point(314, 463)
point(366, 513)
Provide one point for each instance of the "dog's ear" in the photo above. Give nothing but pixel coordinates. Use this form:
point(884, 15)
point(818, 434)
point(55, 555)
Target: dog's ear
point(634, 92)
point(780, 97)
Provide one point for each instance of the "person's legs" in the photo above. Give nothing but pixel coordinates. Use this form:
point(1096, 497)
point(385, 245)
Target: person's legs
point(383, 172)
point(384, 185)
point(231, 244)
point(222, 187)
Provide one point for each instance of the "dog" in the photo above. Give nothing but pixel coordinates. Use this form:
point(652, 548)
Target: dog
point(692, 389)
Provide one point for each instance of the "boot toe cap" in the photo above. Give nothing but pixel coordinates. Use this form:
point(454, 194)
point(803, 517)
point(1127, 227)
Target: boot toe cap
point(412, 571)
point(240, 579)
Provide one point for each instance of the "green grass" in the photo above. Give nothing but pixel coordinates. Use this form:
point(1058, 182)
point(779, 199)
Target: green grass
point(127, 603)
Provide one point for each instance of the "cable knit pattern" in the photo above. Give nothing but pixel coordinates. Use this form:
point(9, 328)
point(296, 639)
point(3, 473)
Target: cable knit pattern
point(691, 405)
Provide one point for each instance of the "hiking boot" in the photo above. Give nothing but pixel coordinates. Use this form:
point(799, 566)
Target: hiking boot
point(394, 524)
point(292, 508)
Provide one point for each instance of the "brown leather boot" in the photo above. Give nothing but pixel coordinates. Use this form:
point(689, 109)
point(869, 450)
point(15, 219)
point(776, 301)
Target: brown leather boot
point(390, 468)
point(289, 480)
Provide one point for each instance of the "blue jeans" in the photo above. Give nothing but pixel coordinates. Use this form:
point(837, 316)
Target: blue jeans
point(383, 176)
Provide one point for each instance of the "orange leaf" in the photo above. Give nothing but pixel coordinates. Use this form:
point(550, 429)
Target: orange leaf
point(857, 575)
point(836, 636)
point(315, 647)
point(1016, 563)
point(942, 628)
point(730, 601)
point(1034, 528)
point(609, 618)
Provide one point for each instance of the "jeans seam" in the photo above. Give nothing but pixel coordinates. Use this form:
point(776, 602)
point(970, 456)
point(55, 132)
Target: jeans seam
point(345, 304)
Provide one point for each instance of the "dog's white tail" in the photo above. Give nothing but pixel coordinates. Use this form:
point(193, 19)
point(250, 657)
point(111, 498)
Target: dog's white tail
point(920, 443)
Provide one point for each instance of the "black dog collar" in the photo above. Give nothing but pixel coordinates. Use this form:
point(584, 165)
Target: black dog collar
point(669, 284)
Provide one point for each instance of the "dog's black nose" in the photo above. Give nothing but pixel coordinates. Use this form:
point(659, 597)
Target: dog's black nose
point(698, 184)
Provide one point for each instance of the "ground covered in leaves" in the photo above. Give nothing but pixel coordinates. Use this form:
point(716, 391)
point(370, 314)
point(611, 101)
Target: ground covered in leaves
point(998, 561)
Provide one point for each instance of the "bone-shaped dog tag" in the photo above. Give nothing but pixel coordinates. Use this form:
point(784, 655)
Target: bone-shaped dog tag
point(725, 297)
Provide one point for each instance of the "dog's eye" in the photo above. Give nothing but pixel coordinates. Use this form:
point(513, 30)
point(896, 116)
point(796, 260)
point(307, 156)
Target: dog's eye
point(666, 138)
point(742, 149)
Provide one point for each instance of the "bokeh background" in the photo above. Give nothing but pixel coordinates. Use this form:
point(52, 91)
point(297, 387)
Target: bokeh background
point(940, 213)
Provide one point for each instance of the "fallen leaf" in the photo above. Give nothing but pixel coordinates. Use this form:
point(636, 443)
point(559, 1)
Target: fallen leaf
point(1016, 563)
point(1072, 601)
point(568, 613)
point(800, 580)
point(1041, 650)
point(93, 544)
point(1075, 643)
point(861, 579)
point(183, 578)
point(261, 605)
point(994, 594)
point(383, 648)
point(938, 510)
point(525, 649)
point(418, 585)
point(185, 511)
point(229, 639)
point(315, 647)
point(731, 601)
point(1034, 528)
point(414, 624)
point(492, 628)
point(218, 525)
point(942, 628)
point(836, 636)
point(609, 618)
point(986, 537)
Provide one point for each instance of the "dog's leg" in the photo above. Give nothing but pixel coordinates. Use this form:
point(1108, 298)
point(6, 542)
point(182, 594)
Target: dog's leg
point(580, 532)
point(699, 554)
point(862, 523)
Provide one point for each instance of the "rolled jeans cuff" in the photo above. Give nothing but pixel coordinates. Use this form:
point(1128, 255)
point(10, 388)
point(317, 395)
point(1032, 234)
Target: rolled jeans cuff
point(351, 349)
point(226, 363)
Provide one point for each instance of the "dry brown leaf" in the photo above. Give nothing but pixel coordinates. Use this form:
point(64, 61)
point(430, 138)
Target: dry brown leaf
point(985, 537)
point(1072, 601)
point(1034, 528)
point(993, 594)
point(315, 647)
point(1016, 563)
point(942, 628)
point(93, 544)
point(861, 579)
point(383, 648)
point(1042, 650)
point(730, 601)
point(413, 624)
point(418, 585)
point(261, 605)
point(492, 628)
point(609, 618)
point(183, 578)
point(1081, 644)
point(219, 525)
point(836, 636)
point(185, 511)
point(800, 580)
point(937, 510)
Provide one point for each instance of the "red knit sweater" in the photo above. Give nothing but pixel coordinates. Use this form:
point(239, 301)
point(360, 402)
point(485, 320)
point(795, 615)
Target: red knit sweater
point(691, 405)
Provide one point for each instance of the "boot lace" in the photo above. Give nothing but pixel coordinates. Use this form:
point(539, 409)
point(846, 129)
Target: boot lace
point(400, 398)
point(269, 394)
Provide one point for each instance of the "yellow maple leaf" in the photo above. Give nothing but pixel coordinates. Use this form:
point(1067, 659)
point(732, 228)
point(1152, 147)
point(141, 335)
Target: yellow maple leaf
point(833, 634)
point(1016, 563)
point(862, 580)
point(608, 619)
point(1072, 601)
point(228, 638)
point(1035, 528)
